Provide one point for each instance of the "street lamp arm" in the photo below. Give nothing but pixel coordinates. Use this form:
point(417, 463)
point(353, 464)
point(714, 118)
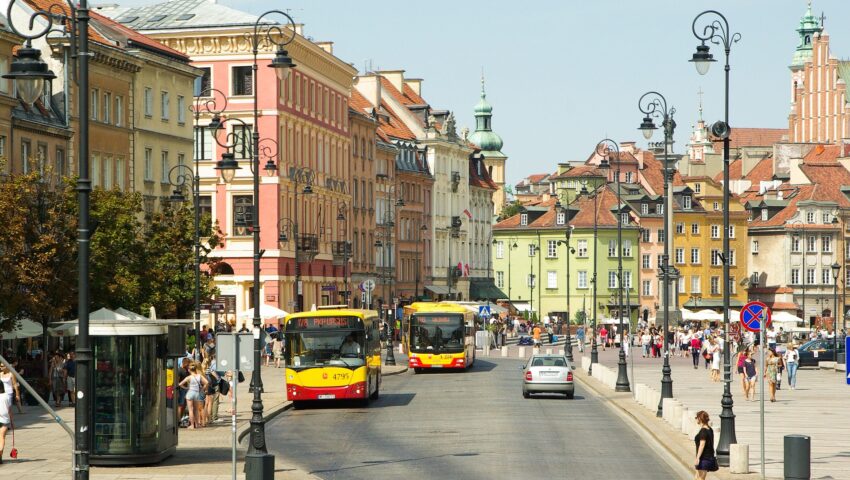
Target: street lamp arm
point(207, 102)
point(606, 147)
point(716, 31)
point(272, 31)
point(54, 15)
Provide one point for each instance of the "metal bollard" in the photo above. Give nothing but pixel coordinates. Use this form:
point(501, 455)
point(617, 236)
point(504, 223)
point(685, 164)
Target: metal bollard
point(798, 457)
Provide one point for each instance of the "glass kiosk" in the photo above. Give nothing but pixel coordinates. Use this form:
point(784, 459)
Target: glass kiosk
point(135, 398)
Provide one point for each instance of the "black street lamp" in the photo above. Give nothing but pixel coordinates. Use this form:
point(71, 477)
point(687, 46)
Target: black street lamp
point(343, 249)
point(608, 148)
point(31, 73)
point(179, 176)
point(594, 352)
point(422, 228)
point(717, 31)
point(799, 238)
point(384, 242)
point(568, 346)
point(653, 105)
point(836, 269)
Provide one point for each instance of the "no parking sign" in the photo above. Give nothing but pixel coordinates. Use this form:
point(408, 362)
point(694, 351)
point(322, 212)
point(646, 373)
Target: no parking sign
point(754, 315)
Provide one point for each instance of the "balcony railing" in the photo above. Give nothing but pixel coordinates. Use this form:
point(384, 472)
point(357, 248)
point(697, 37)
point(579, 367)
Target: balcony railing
point(341, 252)
point(308, 247)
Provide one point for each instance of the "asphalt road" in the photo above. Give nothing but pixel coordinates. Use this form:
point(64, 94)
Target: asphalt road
point(466, 425)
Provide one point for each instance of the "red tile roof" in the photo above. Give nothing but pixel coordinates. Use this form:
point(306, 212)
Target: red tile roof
point(136, 37)
point(407, 98)
point(826, 154)
point(537, 177)
point(413, 96)
point(483, 180)
point(584, 171)
point(751, 137)
point(827, 181)
point(53, 6)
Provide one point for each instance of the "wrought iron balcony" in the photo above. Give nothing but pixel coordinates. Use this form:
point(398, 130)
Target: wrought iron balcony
point(341, 252)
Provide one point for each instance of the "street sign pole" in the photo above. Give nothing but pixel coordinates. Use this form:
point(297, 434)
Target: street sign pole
point(761, 406)
point(755, 317)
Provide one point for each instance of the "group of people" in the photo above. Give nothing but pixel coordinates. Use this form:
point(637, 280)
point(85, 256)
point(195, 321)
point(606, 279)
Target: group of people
point(775, 365)
point(201, 385)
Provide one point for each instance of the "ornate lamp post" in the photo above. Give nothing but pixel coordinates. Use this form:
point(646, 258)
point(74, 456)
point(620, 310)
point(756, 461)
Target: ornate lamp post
point(343, 250)
point(608, 148)
point(422, 228)
point(179, 176)
point(799, 237)
point(653, 105)
point(717, 31)
point(384, 242)
point(30, 74)
point(568, 346)
point(836, 269)
point(594, 353)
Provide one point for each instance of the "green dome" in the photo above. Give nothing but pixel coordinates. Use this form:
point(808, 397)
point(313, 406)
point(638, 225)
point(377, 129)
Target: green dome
point(809, 26)
point(484, 136)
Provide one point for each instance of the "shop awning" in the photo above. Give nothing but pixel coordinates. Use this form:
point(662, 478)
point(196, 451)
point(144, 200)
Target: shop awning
point(438, 289)
point(522, 306)
point(485, 290)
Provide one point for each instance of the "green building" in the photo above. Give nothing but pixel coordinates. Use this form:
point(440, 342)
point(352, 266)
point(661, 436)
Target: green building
point(530, 253)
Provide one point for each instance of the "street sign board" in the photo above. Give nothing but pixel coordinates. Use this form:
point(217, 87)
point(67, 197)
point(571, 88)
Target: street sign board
point(484, 311)
point(754, 315)
point(368, 285)
point(235, 351)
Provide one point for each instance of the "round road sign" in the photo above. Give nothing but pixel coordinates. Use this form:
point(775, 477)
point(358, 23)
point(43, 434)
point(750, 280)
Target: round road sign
point(754, 315)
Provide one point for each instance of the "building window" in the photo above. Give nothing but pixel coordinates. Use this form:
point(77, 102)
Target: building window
point(581, 249)
point(612, 248)
point(181, 109)
point(242, 141)
point(795, 276)
point(826, 243)
point(629, 177)
point(680, 255)
point(202, 83)
point(243, 210)
point(561, 218)
point(119, 172)
point(660, 260)
point(107, 107)
point(500, 248)
point(95, 170)
point(811, 244)
point(659, 209)
point(4, 68)
point(108, 175)
point(523, 219)
point(165, 103)
point(532, 250)
point(694, 229)
point(530, 280)
point(716, 258)
point(612, 279)
point(204, 143)
point(732, 261)
point(827, 218)
point(810, 276)
point(732, 286)
point(680, 228)
point(242, 78)
point(627, 279)
point(662, 235)
point(795, 243)
point(181, 159)
point(764, 214)
point(847, 276)
point(645, 235)
point(682, 289)
point(95, 93)
point(552, 249)
point(646, 288)
point(551, 279)
point(810, 217)
point(695, 284)
point(715, 206)
point(825, 276)
point(686, 202)
point(715, 231)
point(500, 279)
point(582, 279)
point(646, 261)
point(148, 165)
point(697, 188)
point(695, 256)
point(2, 145)
point(627, 248)
point(205, 207)
point(119, 111)
point(165, 167)
point(60, 162)
point(731, 231)
point(148, 102)
point(625, 218)
point(715, 285)
point(644, 209)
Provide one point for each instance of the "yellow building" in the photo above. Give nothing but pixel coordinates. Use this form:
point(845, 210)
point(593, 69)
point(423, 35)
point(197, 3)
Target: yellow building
point(698, 245)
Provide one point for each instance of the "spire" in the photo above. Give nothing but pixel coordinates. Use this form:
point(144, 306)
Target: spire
point(483, 136)
point(809, 26)
point(699, 93)
point(483, 93)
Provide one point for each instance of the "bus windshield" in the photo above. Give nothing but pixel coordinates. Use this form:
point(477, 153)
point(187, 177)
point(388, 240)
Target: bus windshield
point(437, 333)
point(340, 348)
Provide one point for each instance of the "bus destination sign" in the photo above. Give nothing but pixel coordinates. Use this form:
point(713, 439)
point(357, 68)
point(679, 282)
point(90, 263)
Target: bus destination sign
point(321, 323)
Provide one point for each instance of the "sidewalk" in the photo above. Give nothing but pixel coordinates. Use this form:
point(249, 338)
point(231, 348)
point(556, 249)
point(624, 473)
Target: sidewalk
point(815, 408)
point(45, 448)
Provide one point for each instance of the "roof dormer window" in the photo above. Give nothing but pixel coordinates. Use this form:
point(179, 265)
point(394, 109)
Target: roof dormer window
point(523, 219)
point(764, 214)
point(624, 218)
point(561, 218)
point(686, 202)
point(810, 217)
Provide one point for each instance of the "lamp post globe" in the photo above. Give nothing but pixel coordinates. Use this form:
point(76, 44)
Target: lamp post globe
point(29, 72)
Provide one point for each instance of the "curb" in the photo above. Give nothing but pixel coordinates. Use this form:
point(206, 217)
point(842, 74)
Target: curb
point(394, 373)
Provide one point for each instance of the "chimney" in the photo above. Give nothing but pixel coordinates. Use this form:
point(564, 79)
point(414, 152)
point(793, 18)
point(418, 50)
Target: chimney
point(415, 84)
point(370, 87)
point(627, 147)
point(396, 77)
point(326, 46)
point(299, 29)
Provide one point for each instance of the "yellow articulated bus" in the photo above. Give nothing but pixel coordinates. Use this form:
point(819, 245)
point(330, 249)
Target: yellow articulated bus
point(439, 335)
point(331, 354)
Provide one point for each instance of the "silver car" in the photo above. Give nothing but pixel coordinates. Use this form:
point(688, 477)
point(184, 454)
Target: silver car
point(548, 374)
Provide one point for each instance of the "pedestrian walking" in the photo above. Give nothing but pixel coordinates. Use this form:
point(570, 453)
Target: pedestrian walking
point(277, 349)
point(771, 372)
point(5, 418)
point(603, 337)
point(742, 356)
point(71, 378)
point(751, 374)
point(646, 341)
point(57, 379)
point(193, 384)
point(714, 351)
point(551, 333)
point(580, 337)
point(704, 443)
point(11, 388)
point(792, 361)
point(696, 348)
point(211, 392)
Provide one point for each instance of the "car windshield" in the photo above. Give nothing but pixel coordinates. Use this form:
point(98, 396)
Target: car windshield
point(548, 362)
point(340, 348)
point(437, 333)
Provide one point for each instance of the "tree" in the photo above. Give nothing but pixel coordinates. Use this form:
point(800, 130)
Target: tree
point(510, 209)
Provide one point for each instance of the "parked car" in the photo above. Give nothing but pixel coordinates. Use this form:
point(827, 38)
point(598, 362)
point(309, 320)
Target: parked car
point(815, 351)
point(548, 374)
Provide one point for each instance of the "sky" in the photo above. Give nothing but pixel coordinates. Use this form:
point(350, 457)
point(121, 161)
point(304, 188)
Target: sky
point(563, 75)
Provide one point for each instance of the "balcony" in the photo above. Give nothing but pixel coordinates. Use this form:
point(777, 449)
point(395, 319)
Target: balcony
point(308, 247)
point(341, 252)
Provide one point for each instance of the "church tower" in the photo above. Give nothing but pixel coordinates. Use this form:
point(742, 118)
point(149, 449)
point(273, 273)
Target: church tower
point(808, 29)
point(491, 148)
point(699, 144)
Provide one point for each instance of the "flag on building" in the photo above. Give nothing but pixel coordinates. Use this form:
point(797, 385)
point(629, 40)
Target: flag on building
point(466, 212)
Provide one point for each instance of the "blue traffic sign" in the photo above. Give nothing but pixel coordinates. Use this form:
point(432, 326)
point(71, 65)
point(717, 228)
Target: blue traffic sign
point(484, 311)
point(753, 315)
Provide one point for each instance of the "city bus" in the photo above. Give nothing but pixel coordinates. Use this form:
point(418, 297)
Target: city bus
point(439, 335)
point(333, 353)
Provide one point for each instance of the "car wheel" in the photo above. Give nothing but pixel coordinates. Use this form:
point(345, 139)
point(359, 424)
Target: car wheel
point(570, 395)
point(525, 394)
